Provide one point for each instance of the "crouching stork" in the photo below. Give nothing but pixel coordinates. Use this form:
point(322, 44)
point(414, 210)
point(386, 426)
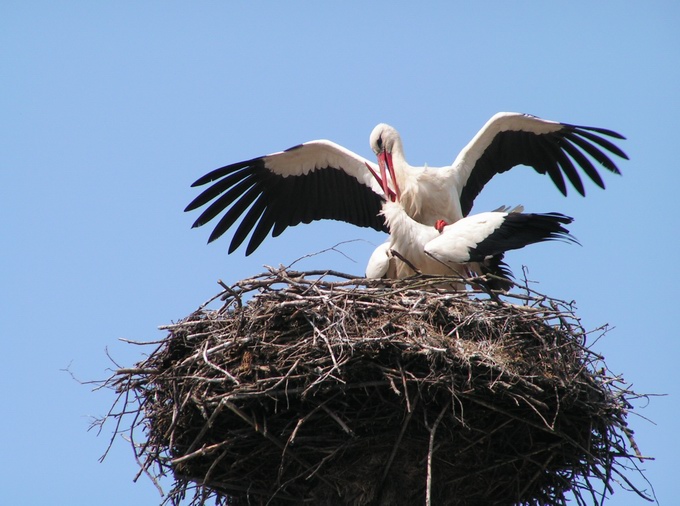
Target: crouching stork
point(474, 245)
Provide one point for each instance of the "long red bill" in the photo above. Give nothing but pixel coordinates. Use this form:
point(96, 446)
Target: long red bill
point(383, 172)
point(387, 160)
point(384, 184)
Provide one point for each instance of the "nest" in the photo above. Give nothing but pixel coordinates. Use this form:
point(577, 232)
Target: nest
point(302, 390)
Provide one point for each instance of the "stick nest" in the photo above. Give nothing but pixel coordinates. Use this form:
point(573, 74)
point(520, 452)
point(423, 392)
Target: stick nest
point(301, 390)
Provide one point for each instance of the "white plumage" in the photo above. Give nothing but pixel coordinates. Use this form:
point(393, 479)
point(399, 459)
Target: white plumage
point(408, 238)
point(454, 244)
point(380, 264)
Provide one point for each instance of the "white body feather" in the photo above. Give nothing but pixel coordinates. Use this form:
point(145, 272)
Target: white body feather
point(380, 263)
point(409, 238)
point(453, 245)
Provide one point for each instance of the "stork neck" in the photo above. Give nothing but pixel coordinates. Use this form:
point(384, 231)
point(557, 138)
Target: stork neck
point(402, 170)
point(404, 227)
point(398, 157)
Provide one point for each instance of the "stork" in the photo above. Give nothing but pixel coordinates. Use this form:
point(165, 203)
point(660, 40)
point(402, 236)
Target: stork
point(323, 180)
point(407, 240)
point(472, 245)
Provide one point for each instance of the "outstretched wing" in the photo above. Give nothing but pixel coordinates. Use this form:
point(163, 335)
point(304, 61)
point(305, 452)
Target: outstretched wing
point(312, 181)
point(556, 149)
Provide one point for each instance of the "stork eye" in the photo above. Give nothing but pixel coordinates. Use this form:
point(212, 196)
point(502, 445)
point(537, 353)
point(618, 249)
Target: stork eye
point(380, 142)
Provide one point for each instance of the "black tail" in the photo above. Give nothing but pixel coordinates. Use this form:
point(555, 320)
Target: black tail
point(502, 275)
point(518, 230)
point(521, 229)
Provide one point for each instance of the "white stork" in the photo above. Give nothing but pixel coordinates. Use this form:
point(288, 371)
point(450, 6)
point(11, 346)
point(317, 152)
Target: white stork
point(475, 244)
point(408, 240)
point(323, 180)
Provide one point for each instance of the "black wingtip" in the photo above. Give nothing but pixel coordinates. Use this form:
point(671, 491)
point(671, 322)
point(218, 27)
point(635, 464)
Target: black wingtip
point(216, 234)
point(560, 233)
point(606, 131)
point(600, 184)
point(254, 243)
point(208, 178)
point(573, 240)
point(599, 130)
point(226, 170)
point(501, 277)
point(200, 201)
point(200, 221)
point(233, 246)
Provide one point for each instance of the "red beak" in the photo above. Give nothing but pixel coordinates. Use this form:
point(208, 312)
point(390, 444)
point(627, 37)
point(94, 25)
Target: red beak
point(382, 181)
point(386, 165)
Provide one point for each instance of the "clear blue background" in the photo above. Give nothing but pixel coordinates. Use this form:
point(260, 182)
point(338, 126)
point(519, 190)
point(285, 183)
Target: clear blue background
point(109, 110)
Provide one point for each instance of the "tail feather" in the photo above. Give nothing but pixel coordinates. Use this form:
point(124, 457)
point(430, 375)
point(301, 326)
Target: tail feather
point(503, 277)
point(521, 229)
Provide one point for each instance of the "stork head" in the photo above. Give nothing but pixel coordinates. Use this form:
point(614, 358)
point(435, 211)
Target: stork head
point(385, 141)
point(385, 138)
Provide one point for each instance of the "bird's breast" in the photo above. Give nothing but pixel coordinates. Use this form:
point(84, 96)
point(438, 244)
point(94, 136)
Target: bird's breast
point(426, 203)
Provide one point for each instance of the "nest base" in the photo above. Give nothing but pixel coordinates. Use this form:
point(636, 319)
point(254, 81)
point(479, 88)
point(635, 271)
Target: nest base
point(306, 391)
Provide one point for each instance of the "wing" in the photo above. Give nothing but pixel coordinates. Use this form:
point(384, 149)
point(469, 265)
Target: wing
point(380, 263)
point(312, 181)
point(504, 232)
point(477, 237)
point(556, 149)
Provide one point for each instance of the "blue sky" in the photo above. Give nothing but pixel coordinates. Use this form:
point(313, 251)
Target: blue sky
point(109, 110)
